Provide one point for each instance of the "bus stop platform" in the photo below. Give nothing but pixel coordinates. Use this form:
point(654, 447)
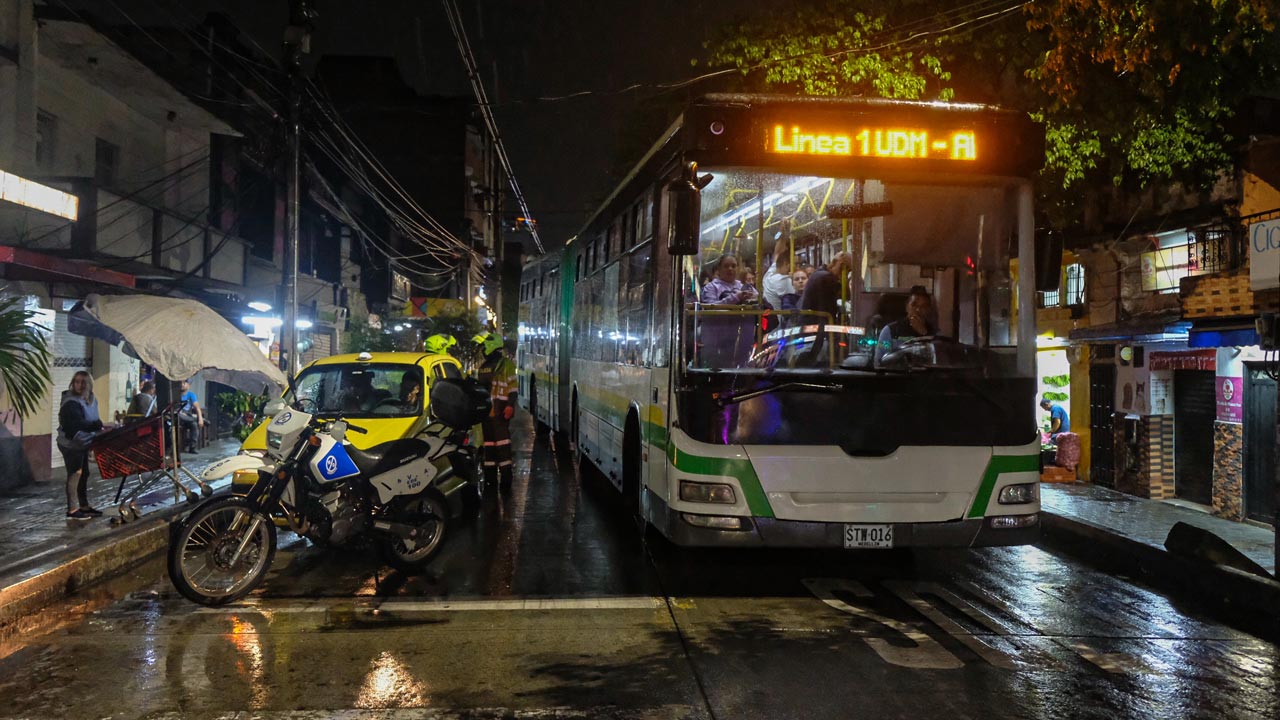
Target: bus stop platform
point(44, 556)
point(1127, 534)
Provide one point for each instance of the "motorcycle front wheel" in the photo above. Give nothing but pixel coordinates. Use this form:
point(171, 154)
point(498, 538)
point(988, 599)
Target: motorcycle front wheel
point(221, 551)
point(410, 557)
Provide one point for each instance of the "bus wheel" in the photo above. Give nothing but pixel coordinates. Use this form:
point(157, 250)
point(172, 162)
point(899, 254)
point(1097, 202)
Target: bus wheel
point(632, 487)
point(540, 428)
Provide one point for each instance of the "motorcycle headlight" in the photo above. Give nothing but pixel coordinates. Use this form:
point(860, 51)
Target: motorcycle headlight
point(274, 440)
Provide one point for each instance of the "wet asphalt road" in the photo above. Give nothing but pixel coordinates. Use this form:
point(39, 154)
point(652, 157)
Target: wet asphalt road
point(551, 605)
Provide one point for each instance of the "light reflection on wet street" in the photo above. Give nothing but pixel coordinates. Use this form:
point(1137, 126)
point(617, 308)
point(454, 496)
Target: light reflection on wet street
point(550, 604)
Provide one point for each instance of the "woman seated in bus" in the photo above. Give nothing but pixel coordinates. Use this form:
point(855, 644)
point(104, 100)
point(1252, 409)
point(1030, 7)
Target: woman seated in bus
point(725, 288)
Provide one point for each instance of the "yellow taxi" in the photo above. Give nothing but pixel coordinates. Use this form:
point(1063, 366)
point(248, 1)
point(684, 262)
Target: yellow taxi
point(385, 393)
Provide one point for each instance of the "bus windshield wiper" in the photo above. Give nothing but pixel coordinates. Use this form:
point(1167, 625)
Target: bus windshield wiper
point(739, 397)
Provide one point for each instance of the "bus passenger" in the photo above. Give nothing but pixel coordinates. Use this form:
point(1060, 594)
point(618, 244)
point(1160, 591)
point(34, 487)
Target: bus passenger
point(822, 290)
point(725, 288)
point(777, 277)
point(791, 300)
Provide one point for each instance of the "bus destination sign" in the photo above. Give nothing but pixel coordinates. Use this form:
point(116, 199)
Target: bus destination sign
point(874, 142)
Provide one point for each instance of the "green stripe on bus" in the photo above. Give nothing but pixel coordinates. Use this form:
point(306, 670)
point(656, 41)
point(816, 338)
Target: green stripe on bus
point(999, 465)
point(742, 470)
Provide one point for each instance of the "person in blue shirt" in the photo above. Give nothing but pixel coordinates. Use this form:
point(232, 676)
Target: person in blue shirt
point(1059, 421)
point(191, 415)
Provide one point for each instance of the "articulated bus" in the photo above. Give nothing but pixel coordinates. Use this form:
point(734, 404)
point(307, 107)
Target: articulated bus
point(871, 418)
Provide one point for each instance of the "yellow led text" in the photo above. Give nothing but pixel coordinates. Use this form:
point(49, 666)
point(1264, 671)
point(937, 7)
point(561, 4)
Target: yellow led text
point(874, 142)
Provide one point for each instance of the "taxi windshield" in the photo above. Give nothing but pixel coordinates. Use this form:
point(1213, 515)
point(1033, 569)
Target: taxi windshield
point(360, 390)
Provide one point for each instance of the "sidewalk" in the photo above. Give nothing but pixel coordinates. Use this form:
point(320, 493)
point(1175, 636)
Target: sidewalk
point(44, 556)
point(1128, 534)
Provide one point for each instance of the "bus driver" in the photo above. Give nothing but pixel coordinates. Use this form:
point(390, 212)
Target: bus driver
point(917, 323)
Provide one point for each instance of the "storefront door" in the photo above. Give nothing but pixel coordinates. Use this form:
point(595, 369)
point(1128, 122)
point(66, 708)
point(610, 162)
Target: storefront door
point(1259, 446)
point(1195, 409)
point(1102, 398)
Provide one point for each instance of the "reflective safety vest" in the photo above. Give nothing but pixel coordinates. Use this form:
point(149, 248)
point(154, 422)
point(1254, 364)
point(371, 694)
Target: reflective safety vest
point(501, 381)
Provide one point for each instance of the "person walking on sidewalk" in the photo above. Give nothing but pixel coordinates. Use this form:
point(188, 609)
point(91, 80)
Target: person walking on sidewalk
point(498, 374)
point(190, 415)
point(78, 423)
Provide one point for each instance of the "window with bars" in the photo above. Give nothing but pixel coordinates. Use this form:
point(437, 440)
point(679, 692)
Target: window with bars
point(1073, 280)
point(1050, 299)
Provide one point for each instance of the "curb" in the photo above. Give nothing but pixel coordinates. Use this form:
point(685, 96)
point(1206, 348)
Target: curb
point(1243, 599)
point(23, 593)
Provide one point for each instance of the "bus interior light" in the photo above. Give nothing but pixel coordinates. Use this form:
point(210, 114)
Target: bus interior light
point(691, 491)
point(1008, 522)
point(716, 522)
point(1018, 494)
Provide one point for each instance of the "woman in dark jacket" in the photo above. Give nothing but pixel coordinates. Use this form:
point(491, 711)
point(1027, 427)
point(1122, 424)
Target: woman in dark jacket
point(78, 422)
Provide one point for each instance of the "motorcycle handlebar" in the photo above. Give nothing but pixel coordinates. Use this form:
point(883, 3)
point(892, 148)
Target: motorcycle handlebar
point(357, 429)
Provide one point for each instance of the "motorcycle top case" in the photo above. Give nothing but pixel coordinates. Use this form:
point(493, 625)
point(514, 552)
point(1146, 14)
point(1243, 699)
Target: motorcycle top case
point(332, 463)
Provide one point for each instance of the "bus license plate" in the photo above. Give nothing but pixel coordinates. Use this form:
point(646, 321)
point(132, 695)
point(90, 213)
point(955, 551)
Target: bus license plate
point(868, 536)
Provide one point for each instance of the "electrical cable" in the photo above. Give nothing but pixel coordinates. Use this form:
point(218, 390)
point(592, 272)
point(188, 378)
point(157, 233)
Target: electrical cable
point(437, 230)
point(486, 112)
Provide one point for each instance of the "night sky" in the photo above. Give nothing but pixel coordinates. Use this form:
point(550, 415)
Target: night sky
point(562, 151)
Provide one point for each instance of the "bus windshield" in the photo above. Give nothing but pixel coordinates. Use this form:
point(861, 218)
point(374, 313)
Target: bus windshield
point(850, 275)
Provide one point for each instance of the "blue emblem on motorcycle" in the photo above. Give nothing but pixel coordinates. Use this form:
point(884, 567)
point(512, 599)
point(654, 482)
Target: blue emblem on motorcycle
point(283, 418)
point(336, 464)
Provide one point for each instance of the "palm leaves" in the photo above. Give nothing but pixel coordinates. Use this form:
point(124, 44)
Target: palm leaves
point(24, 357)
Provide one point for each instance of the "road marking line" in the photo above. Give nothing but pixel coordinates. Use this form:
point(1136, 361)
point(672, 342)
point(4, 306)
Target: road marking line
point(513, 604)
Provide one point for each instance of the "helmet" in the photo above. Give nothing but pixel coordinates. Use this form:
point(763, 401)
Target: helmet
point(438, 344)
point(488, 342)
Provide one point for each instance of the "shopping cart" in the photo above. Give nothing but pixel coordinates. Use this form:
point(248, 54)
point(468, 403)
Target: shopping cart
point(148, 450)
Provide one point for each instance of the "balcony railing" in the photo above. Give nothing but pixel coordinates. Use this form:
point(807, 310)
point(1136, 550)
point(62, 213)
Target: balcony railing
point(123, 231)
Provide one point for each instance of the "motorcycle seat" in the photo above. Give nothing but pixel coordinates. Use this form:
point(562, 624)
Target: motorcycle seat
point(386, 456)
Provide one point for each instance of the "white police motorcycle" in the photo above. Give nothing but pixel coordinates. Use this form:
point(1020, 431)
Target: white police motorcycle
point(402, 494)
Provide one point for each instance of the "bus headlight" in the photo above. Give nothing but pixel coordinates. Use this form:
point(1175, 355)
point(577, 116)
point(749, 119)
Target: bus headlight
point(691, 491)
point(1017, 494)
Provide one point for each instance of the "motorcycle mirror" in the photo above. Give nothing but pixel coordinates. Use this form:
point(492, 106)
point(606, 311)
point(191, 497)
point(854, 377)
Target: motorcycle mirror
point(338, 430)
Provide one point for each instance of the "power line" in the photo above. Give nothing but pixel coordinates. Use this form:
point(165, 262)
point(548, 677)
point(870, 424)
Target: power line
point(983, 6)
point(477, 86)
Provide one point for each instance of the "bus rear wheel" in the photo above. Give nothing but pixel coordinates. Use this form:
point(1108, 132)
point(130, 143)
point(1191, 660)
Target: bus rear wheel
point(632, 483)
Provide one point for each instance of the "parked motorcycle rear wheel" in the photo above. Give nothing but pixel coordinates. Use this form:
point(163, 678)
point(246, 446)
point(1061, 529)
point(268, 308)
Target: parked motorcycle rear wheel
point(427, 512)
point(203, 545)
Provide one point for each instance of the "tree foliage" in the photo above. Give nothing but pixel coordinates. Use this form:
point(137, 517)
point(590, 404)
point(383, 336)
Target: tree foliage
point(1130, 91)
point(24, 357)
point(829, 48)
point(1153, 82)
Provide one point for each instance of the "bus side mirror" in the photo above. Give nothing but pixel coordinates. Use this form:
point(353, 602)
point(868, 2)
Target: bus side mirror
point(1049, 262)
point(686, 216)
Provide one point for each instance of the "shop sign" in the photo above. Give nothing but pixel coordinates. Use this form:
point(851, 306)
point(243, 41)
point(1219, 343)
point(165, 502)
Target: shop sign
point(29, 193)
point(401, 288)
point(1187, 360)
point(1230, 399)
point(433, 307)
point(1264, 255)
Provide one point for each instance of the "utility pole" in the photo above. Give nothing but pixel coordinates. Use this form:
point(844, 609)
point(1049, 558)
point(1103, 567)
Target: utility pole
point(297, 42)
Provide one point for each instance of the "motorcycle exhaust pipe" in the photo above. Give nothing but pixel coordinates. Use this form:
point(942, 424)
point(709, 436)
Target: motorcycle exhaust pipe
point(403, 531)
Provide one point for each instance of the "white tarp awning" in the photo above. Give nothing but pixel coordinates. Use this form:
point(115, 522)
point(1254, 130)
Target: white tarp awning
point(177, 337)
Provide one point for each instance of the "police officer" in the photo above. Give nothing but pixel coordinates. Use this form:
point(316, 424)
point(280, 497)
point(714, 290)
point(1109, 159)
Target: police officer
point(438, 344)
point(497, 373)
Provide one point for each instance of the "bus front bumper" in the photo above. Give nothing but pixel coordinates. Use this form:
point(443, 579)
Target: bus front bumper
point(771, 532)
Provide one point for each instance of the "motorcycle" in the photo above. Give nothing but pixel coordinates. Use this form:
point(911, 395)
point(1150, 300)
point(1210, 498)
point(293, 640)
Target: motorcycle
point(402, 494)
